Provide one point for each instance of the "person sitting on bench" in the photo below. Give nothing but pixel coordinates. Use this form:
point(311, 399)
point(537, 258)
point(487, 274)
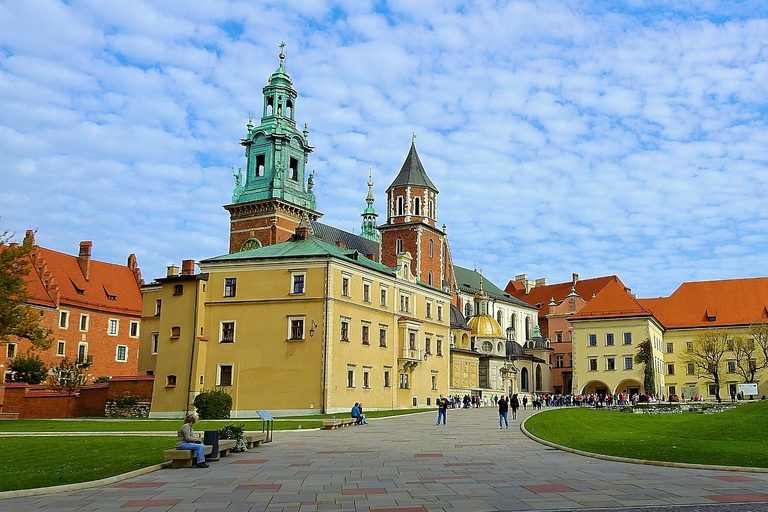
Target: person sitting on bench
point(357, 413)
point(186, 440)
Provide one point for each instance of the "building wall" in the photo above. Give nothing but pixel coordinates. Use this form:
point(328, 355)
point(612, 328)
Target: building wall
point(271, 371)
point(683, 382)
point(619, 380)
point(99, 343)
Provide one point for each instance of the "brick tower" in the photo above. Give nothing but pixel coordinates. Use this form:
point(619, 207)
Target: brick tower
point(412, 224)
point(274, 191)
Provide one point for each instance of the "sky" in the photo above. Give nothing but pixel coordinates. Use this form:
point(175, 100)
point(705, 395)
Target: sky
point(605, 137)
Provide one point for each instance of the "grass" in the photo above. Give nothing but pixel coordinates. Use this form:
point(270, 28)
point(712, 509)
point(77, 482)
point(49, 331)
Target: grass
point(30, 462)
point(738, 437)
point(171, 426)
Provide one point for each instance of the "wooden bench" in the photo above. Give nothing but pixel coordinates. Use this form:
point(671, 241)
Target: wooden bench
point(254, 439)
point(332, 424)
point(183, 458)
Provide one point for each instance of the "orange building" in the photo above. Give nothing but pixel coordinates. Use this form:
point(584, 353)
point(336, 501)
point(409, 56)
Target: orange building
point(93, 309)
point(557, 303)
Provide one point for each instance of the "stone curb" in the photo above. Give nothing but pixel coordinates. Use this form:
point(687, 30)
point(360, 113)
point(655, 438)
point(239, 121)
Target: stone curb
point(41, 491)
point(613, 458)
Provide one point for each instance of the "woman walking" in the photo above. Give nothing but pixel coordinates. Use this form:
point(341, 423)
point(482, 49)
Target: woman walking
point(515, 404)
point(503, 411)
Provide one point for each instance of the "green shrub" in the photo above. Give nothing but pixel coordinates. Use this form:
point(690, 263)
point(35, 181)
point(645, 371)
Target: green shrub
point(233, 431)
point(29, 368)
point(214, 404)
point(102, 380)
point(126, 401)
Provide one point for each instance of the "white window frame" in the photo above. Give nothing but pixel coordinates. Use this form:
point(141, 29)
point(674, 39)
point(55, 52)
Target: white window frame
point(607, 365)
point(592, 362)
point(85, 352)
point(294, 274)
point(64, 315)
point(63, 345)
point(232, 374)
point(117, 354)
point(130, 329)
point(629, 362)
point(346, 282)
point(350, 373)
point(610, 339)
point(291, 318)
point(87, 319)
point(592, 340)
point(342, 321)
point(367, 298)
point(670, 368)
point(221, 331)
point(110, 324)
point(383, 293)
point(8, 347)
point(624, 338)
point(365, 325)
point(154, 342)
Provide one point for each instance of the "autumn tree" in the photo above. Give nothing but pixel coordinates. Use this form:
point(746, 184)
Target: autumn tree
point(706, 353)
point(68, 375)
point(17, 321)
point(645, 356)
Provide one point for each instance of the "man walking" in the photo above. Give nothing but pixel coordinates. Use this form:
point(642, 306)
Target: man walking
point(503, 411)
point(442, 408)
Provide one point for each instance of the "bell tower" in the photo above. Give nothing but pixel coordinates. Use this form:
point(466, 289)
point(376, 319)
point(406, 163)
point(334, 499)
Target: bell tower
point(412, 224)
point(274, 191)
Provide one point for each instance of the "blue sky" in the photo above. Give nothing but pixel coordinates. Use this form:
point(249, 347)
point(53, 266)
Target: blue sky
point(625, 137)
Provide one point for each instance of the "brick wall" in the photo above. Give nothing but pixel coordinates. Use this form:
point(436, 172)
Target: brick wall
point(32, 401)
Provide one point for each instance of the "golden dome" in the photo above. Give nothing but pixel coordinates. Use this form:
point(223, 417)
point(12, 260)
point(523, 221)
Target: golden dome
point(485, 326)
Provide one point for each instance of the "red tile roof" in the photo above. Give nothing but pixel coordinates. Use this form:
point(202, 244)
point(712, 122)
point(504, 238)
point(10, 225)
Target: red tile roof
point(49, 270)
point(728, 302)
point(613, 301)
point(586, 288)
point(104, 280)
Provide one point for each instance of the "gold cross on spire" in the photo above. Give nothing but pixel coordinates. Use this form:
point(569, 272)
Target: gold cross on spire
point(282, 51)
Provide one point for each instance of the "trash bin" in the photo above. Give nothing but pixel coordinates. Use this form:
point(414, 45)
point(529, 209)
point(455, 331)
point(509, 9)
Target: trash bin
point(211, 437)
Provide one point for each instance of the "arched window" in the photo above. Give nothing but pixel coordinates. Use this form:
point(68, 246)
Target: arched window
point(399, 245)
point(524, 379)
point(527, 327)
point(467, 310)
point(270, 105)
point(431, 209)
point(430, 278)
point(431, 248)
point(500, 318)
point(417, 206)
point(399, 205)
point(289, 109)
point(538, 378)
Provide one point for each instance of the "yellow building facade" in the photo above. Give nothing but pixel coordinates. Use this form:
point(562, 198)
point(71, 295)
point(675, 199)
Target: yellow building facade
point(298, 327)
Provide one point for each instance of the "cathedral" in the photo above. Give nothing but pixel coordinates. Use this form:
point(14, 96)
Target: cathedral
point(301, 316)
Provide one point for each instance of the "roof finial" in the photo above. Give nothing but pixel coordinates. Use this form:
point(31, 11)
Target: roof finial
point(413, 137)
point(282, 53)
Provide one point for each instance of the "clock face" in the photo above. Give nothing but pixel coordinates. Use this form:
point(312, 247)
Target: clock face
point(251, 243)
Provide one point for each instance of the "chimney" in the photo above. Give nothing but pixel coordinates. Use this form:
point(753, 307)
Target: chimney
point(528, 283)
point(187, 267)
point(173, 271)
point(29, 238)
point(542, 281)
point(84, 258)
point(575, 279)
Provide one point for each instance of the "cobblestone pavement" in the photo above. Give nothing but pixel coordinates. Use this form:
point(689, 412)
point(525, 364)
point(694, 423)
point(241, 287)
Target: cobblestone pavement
point(408, 463)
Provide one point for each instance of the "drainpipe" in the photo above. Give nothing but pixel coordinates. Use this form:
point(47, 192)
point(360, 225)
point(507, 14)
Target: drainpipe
point(192, 355)
point(325, 335)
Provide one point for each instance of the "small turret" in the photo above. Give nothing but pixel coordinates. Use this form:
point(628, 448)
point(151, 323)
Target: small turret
point(369, 215)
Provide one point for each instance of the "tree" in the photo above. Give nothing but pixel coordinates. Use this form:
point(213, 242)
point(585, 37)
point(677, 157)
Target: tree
point(16, 319)
point(68, 376)
point(706, 353)
point(746, 353)
point(645, 356)
point(759, 333)
point(29, 368)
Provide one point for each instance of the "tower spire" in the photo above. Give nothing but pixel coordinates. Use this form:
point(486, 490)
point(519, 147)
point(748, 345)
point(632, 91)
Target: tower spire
point(369, 215)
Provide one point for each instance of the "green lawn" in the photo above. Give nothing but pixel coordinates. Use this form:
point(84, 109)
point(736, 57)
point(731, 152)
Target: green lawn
point(171, 426)
point(30, 462)
point(738, 437)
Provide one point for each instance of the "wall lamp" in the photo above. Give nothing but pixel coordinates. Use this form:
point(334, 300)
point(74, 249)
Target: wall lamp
point(312, 329)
